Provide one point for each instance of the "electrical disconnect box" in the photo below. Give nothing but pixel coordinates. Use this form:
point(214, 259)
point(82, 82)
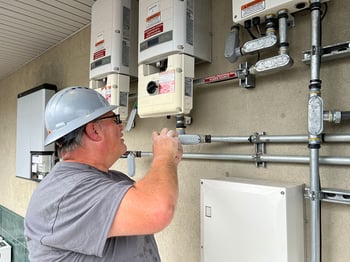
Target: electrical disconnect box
point(33, 159)
point(244, 10)
point(251, 220)
point(173, 36)
point(113, 50)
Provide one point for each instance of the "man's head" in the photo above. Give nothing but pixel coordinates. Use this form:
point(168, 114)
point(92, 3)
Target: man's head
point(72, 108)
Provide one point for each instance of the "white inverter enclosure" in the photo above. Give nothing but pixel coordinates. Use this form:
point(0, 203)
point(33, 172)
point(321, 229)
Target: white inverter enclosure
point(171, 26)
point(243, 10)
point(113, 50)
point(173, 36)
point(113, 46)
point(247, 220)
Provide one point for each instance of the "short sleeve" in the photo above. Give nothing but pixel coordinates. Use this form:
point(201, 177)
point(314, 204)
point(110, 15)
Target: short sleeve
point(85, 214)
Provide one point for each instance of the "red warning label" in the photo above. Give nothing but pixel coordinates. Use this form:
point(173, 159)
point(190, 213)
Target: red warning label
point(252, 7)
point(153, 31)
point(106, 92)
point(167, 82)
point(220, 77)
point(100, 53)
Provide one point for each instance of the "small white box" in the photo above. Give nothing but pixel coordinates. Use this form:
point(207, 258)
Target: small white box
point(5, 251)
point(173, 92)
point(247, 220)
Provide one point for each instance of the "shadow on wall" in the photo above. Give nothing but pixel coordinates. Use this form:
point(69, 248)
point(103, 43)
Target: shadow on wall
point(11, 229)
point(50, 72)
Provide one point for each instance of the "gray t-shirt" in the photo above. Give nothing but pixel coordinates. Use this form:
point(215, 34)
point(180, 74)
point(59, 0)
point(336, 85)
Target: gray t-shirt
point(70, 214)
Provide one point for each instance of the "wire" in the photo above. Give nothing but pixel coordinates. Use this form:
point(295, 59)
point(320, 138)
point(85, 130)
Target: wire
point(325, 11)
point(251, 34)
point(259, 30)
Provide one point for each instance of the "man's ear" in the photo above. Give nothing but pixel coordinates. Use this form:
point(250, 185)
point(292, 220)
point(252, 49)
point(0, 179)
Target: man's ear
point(93, 131)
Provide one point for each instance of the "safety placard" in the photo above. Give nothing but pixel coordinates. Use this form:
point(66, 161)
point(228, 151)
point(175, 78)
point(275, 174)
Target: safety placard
point(252, 7)
point(220, 77)
point(153, 31)
point(167, 82)
point(106, 92)
point(153, 19)
point(100, 53)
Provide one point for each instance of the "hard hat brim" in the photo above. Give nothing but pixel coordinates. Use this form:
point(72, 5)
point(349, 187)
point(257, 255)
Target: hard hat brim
point(72, 125)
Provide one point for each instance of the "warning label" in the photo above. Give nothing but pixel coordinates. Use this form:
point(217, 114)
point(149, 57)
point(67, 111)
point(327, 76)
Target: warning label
point(153, 31)
point(106, 92)
point(100, 53)
point(167, 82)
point(220, 77)
point(153, 19)
point(252, 7)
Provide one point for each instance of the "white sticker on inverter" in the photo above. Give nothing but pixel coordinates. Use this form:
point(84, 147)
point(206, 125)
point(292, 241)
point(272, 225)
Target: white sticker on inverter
point(106, 92)
point(99, 41)
point(252, 7)
point(167, 82)
point(153, 20)
point(153, 15)
point(152, 9)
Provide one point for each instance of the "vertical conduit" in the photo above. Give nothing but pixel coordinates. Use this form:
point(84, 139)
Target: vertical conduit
point(282, 26)
point(315, 128)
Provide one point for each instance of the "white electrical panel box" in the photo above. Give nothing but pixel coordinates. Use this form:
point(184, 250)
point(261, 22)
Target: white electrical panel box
point(31, 133)
point(243, 10)
point(113, 46)
point(116, 92)
point(171, 26)
point(173, 36)
point(251, 220)
point(169, 92)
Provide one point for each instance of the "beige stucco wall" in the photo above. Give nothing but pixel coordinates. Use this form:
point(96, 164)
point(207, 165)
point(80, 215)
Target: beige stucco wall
point(277, 106)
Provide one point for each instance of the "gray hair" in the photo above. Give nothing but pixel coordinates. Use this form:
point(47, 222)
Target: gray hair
point(71, 141)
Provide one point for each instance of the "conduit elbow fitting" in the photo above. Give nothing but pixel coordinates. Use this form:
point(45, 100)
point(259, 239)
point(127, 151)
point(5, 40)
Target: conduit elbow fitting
point(232, 50)
point(271, 64)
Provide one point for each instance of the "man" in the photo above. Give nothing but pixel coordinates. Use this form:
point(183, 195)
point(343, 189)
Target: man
point(82, 211)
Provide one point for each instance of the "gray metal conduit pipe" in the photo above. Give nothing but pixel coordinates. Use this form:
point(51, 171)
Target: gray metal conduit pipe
point(345, 115)
point(315, 129)
point(336, 116)
point(324, 160)
point(192, 139)
point(282, 60)
point(282, 26)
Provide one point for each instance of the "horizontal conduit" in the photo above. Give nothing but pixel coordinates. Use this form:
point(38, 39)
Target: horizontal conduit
point(259, 139)
point(325, 160)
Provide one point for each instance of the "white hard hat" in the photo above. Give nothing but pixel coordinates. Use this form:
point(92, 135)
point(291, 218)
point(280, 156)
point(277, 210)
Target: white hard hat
point(71, 108)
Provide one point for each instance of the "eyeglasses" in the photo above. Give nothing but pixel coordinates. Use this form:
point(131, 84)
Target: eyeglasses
point(116, 119)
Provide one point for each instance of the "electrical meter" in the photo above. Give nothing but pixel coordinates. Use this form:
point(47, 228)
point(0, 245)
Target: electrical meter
point(243, 10)
point(113, 50)
point(172, 36)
